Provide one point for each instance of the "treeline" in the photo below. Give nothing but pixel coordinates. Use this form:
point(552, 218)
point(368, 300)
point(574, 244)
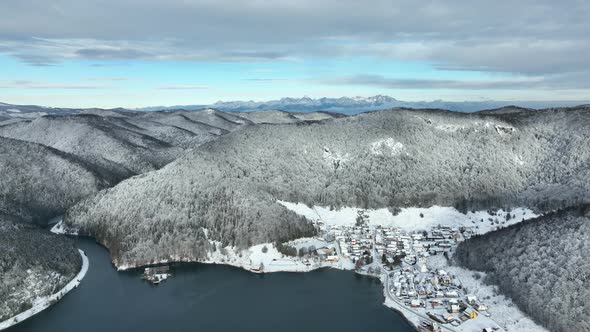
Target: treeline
point(541, 264)
point(228, 187)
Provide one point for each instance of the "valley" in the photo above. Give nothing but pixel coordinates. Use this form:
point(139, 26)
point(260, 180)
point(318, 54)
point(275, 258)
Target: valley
point(287, 192)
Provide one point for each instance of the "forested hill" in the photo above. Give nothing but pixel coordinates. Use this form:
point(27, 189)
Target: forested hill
point(50, 162)
point(39, 182)
point(227, 188)
point(125, 143)
point(280, 117)
point(542, 264)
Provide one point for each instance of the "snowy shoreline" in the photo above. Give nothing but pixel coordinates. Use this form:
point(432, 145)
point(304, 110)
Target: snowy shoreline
point(45, 302)
point(265, 258)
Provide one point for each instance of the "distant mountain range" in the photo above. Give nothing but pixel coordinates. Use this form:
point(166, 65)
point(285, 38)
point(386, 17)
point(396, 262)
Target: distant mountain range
point(354, 105)
point(343, 105)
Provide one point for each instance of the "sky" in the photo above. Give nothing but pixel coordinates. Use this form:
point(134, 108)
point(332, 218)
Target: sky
point(137, 53)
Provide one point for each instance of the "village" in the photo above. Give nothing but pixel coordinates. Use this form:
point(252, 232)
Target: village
point(401, 259)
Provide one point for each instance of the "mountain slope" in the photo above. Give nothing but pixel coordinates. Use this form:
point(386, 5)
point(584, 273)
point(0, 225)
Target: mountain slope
point(97, 140)
point(222, 120)
point(541, 264)
point(282, 117)
point(39, 182)
point(183, 120)
point(227, 189)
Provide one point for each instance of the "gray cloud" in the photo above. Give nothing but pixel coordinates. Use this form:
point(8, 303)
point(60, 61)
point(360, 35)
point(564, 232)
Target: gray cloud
point(530, 37)
point(111, 53)
point(24, 84)
point(580, 81)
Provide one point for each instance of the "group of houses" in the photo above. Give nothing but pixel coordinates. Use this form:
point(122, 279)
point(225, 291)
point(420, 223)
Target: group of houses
point(437, 293)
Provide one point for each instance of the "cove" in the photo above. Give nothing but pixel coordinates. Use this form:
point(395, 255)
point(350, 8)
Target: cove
point(202, 297)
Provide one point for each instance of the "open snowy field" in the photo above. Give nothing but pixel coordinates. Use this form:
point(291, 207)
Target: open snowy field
point(413, 219)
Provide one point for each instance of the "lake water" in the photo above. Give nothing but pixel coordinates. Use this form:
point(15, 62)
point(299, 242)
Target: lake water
point(203, 297)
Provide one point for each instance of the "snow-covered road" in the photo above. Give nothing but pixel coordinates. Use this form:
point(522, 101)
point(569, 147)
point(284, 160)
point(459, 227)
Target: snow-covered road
point(43, 303)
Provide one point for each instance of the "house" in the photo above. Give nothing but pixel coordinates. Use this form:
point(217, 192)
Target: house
point(436, 303)
point(446, 280)
point(451, 293)
point(323, 252)
point(156, 274)
point(332, 258)
point(415, 303)
point(436, 317)
point(481, 307)
point(470, 313)
point(471, 299)
point(454, 308)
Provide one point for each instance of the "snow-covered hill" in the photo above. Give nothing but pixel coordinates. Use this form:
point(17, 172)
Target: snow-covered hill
point(39, 182)
point(230, 186)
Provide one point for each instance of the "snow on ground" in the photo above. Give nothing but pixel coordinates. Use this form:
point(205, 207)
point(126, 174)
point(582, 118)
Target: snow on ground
point(503, 311)
point(335, 157)
point(412, 219)
point(61, 228)
point(387, 145)
point(256, 259)
point(449, 128)
point(309, 241)
point(45, 302)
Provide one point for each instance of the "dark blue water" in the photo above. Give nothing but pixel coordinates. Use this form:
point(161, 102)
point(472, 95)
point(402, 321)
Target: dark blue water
point(217, 298)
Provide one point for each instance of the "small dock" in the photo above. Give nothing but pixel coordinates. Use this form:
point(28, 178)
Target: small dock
point(157, 274)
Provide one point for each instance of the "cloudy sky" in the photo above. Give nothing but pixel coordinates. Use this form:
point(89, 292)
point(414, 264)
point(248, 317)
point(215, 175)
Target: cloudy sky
point(133, 53)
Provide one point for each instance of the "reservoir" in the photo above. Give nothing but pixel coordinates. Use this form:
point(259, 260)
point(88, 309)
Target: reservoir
point(200, 297)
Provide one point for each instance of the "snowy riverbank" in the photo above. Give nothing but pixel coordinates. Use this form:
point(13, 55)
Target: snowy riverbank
point(261, 258)
point(45, 302)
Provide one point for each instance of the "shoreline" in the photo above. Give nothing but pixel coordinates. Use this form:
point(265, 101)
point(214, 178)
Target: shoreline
point(264, 258)
point(47, 301)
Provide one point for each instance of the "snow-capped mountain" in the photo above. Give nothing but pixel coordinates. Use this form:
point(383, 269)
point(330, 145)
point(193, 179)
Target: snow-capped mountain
point(354, 105)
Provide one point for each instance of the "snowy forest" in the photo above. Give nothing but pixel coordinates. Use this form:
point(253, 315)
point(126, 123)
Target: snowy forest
point(50, 162)
point(226, 189)
point(541, 264)
point(33, 263)
point(176, 185)
point(39, 182)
